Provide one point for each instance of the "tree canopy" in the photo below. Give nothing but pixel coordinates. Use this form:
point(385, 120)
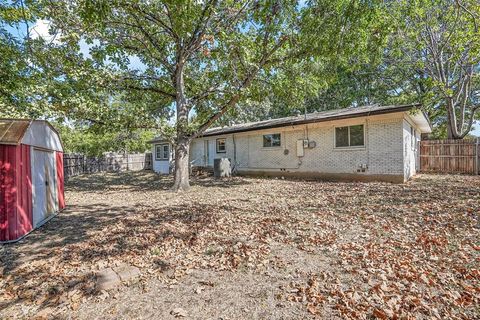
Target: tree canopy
point(204, 63)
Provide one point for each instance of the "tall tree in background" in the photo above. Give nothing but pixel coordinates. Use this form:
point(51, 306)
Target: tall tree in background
point(439, 41)
point(204, 57)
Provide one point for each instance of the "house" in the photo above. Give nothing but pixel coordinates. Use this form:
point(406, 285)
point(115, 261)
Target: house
point(361, 143)
point(31, 176)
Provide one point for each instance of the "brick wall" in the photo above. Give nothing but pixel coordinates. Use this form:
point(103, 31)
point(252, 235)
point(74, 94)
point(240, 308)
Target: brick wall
point(383, 153)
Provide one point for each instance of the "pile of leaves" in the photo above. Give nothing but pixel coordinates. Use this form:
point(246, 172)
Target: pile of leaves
point(391, 251)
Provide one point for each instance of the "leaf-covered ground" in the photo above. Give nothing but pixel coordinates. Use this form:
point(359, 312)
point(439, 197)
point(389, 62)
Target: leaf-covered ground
point(253, 248)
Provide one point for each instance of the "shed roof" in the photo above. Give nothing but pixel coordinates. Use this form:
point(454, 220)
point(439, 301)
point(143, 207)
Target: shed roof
point(12, 131)
point(37, 133)
point(328, 115)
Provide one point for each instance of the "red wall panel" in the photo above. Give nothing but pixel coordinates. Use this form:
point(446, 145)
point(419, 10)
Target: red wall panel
point(15, 192)
point(60, 181)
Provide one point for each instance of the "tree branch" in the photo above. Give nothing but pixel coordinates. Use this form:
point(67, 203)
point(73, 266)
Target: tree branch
point(236, 97)
point(152, 89)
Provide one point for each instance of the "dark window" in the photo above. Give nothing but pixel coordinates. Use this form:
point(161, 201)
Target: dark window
point(356, 136)
point(352, 136)
point(413, 134)
point(221, 145)
point(162, 152)
point(272, 140)
point(341, 137)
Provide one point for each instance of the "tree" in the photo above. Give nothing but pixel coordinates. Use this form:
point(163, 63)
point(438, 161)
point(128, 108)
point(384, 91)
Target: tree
point(441, 38)
point(204, 57)
point(17, 76)
point(87, 140)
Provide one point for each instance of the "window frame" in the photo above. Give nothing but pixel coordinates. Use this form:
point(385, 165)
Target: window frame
point(224, 145)
point(349, 147)
point(162, 150)
point(271, 146)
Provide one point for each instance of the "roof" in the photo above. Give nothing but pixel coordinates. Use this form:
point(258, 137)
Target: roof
point(31, 132)
point(12, 130)
point(328, 115)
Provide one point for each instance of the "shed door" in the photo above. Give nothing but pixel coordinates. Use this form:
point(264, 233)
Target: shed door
point(44, 185)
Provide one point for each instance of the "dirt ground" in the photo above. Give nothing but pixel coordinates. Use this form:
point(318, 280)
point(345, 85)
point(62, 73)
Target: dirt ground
point(251, 248)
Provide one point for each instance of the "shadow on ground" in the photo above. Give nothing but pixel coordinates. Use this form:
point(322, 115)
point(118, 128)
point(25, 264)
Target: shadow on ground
point(143, 181)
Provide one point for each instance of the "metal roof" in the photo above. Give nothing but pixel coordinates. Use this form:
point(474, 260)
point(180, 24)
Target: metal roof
point(328, 115)
point(311, 118)
point(12, 130)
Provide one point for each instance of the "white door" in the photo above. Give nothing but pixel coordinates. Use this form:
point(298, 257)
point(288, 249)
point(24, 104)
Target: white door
point(44, 185)
point(209, 152)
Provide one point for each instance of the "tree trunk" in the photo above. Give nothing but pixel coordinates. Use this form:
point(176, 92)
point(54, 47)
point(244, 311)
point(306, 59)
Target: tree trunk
point(182, 168)
point(182, 148)
point(452, 127)
point(449, 126)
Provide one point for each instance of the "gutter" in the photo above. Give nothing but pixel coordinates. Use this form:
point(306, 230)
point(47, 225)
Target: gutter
point(307, 121)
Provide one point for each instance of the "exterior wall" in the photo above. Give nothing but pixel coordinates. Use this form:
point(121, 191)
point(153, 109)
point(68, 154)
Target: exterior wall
point(39, 134)
point(162, 166)
point(198, 156)
point(60, 181)
point(15, 192)
point(382, 155)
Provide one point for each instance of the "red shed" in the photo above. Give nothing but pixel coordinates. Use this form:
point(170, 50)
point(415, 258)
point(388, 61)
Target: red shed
point(31, 176)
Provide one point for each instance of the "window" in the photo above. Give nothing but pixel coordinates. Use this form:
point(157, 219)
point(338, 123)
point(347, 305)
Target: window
point(352, 136)
point(162, 152)
point(272, 140)
point(221, 146)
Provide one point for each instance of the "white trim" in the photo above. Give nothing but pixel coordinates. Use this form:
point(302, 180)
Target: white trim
point(161, 152)
point(349, 147)
point(224, 145)
point(273, 147)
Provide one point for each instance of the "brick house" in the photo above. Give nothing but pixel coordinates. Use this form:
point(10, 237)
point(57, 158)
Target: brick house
point(361, 143)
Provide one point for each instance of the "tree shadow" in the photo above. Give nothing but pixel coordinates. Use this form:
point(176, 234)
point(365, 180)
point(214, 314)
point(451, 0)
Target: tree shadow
point(143, 181)
point(59, 259)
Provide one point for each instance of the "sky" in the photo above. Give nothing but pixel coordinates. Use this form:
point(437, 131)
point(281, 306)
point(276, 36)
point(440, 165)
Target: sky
point(40, 29)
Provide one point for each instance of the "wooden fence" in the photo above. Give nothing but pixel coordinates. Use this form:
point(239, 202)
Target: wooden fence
point(77, 164)
point(450, 156)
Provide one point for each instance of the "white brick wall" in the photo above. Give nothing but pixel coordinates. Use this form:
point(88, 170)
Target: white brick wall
point(383, 153)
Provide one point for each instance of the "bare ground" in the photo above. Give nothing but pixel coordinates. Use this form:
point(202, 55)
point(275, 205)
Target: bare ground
point(253, 248)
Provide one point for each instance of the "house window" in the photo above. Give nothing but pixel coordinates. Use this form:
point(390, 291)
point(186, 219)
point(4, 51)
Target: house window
point(221, 146)
point(351, 136)
point(413, 135)
point(272, 140)
point(162, 152)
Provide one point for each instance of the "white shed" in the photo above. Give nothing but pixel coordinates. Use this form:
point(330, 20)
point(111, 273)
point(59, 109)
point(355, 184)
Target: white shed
point(162, 156)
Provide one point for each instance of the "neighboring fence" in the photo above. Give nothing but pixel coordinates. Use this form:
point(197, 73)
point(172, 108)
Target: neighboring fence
point(450, 156)
point(77, 164)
